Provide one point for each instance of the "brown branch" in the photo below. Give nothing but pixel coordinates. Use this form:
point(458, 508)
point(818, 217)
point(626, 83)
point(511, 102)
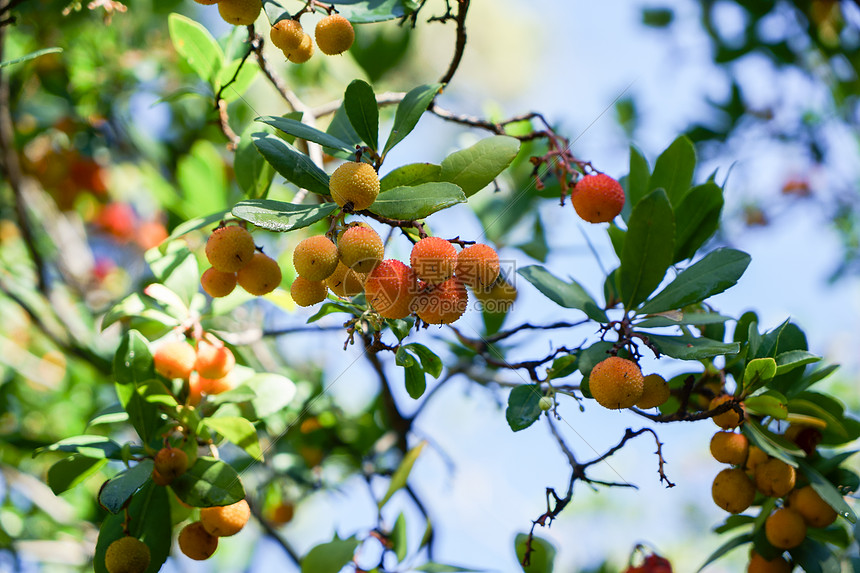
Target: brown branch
point(397, 223)
point(460, 47)
point(501, 335)
point(224, 123)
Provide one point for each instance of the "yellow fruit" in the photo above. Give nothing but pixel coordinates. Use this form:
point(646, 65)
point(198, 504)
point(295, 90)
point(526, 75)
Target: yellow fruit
point(759, 564)
point(301, 53)
point(127, 555)
point(390, 289)
point(240, 12)
point(354, 186)
point(785, 529)
point(732, 490)
point(282, 513)
point(478, 266)
point(345, 282)
point(227, 520)
point(287, 34)
point(499, 297)
point(616, 383)
point(774, 478)
point(216, 283)
point(755, 457)
point(196, 542)
point(214, 386)
point(315, 258)
point(433, 260)
point(730, 448)
point(170, 463)
point(655, 392)
point(815, 511)
point(213, 360)
point(307, 293)
point(230, 248)
point(334, 34)
point(360, 248)
point(174, 359)
point(441, 304)
point(726, 420)
point(260, 276)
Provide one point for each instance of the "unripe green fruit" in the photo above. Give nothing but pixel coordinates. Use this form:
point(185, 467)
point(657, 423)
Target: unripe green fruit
point(230, 248)
point(260, 276)
point(334, 34)
point(127, 555)
point(354, 186)
point(545, 403)
point(240, 12)
point(360, 248)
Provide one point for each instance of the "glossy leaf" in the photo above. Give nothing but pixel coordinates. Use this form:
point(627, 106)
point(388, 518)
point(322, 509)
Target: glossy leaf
point(329, 557)
point(411, 203)
point(766, 405)
point(828, 493)
point(541, 558)
point(414, 379)
point(673, 171)
point(274, 393)
point(239, 431)
point(697, 218)
point(68, 472)
point(253, 173)
point(401, 474)
point(302, 131)
point(523, 406)
point(773, 444)
point(367, 11)
point(410, 175)
point(477, 166)
point(430, 362)
point(758, 371)
point(359, 102)
point(196, 46)
point(692, 348)
point(638, 179)
point(729, 545)
point(208, 483)
point(98, 447)
point(648, 248)
point(789, 360)
point(30, 56)
point(409, 111)
point(566, 294)
point(293, 165)
point(717, 271)
point(280, 216)
point(117, 490)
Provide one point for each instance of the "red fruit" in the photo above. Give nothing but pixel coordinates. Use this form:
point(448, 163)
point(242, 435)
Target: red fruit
point(390, 289)
point(174, 359)
point(598, 198)
point(443, 303)
point(213, 360)
point(433, 260)
point(118, 220)
point(478, 266)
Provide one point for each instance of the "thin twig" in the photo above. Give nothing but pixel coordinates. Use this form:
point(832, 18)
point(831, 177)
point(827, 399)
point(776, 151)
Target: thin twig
point(460, 47)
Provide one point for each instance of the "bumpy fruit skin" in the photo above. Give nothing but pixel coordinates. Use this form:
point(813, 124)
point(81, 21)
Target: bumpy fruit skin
point(354, 186)
point(598, 198)
point(616, 383)
point(775, 478)
point(730, 448)
point(433, 259)
point(301, 53)
point(315, 258)
point(307, 293)
point(127, 555)
point(196, 542)
point(345, 282)
point(227, 520)
point(360, 248)
point(785, 529)
point(815, 511)
point(260, 276)
point(478, 266)
point(213, 361)
point(240, 12)
point(443, 303)
point(498, 298)
point(759, 564)
point(287, 34)
point(390, 289)
point(230, 248)
point(216, 283)
point(655, 392)
point(174, 359)
point(727, 420)
point(170, 463)
point(334, 35)
point(732, 490)
point(755, 457)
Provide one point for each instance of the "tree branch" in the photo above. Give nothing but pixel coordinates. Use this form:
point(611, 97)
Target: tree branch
point(460, 47)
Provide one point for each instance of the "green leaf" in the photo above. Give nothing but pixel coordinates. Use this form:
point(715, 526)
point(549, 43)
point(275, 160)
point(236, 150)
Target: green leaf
point(682, 318)
point(368, 11)
point(293, 165)
point(815, 557)
point(411, 203)
point(117, 490)
point(410, 175)
point(787, 361)
point(732, 543)
point(399, 540)
point(329, 557)
point(302, 131)
point(523, 406)
point(193, 225)
point(542, 557)
point(280, 216)
point(244, 77)
point(692, 348)
point(359, 101)
point(177, 269)
point(98, 447)
point(69, 472)
point(733, 522)
point(648, 248)
point(673, 171)
point(409, 111)
point(149, 513)
point(639, 178)
point(697, 219)
point(133, 362)
point(772, 444)
point(196, 45)
point(239, 431)
point(340, 128)
point(253, 173)
point(208, 483)
point(477, 166)
point(717, 271)
point(430, 362)
point(433, 567)
point(828, 493)
point(568, 295)
point(30, 56)
point(767, 405)
point(401, 474)
point(562, 367)
point(415, 381)
point(274, 393)
point(758, 371)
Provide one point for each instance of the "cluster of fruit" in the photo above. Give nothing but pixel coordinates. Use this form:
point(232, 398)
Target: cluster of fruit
point(207, 369)
point(754, 471)
point(235, 259)
point(618, 383)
